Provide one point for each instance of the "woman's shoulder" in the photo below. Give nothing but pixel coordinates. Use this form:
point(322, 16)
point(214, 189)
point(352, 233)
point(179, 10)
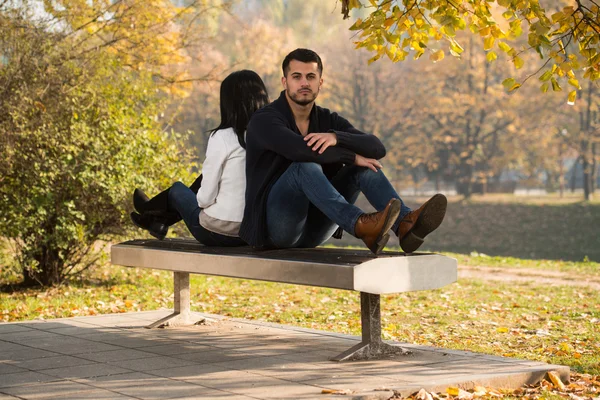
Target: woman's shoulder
point(224, 134)
point(225, 138)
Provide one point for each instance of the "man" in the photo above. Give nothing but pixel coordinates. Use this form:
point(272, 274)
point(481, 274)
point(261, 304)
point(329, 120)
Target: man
point(305, 167)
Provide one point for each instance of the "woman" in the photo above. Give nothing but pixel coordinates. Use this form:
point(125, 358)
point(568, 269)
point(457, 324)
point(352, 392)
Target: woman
point(213, 215)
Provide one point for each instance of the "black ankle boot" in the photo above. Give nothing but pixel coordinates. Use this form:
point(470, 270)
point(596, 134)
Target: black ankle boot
point(139, 200)
point(153, 225)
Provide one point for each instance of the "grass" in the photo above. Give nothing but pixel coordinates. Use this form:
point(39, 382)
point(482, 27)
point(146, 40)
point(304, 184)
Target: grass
point(529, 320)
point(555, 324)
point(514, 226)
point(587, 268)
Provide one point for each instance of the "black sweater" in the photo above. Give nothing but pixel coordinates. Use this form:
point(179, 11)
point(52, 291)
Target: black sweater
point(273, 142)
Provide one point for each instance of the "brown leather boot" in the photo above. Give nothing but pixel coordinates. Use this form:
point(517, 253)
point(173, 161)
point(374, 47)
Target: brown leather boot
point(373, 228)
point(419, 223)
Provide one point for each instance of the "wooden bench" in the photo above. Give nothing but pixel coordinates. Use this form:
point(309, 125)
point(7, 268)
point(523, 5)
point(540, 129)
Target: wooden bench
point(357, 270)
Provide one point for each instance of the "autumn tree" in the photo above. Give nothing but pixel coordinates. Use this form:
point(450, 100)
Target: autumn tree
point(580, 128)
point(78, 130)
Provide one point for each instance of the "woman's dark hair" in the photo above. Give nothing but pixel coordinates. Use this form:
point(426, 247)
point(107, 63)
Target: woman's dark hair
point(242, 93)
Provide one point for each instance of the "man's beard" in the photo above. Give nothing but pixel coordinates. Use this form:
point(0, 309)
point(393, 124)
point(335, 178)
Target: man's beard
point(304, 101)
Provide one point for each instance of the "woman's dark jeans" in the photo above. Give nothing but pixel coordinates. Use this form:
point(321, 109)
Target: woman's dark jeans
point(183, 200)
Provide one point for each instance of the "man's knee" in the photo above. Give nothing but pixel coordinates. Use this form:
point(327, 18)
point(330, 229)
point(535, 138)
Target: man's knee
point(307, 167)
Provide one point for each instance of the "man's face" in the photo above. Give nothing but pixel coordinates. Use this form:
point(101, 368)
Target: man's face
point(302, 82)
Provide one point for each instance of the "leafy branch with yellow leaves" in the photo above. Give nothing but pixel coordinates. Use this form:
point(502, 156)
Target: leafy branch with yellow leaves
point(565, 39)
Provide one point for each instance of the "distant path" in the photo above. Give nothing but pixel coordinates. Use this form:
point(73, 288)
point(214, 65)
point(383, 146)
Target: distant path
point(528, 275)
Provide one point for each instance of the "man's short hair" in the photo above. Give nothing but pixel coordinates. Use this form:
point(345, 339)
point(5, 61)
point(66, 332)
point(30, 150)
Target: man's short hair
point(302, 55)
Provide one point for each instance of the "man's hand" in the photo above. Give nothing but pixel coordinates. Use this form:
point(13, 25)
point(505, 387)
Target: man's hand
point(370, 163)
point(320, 141)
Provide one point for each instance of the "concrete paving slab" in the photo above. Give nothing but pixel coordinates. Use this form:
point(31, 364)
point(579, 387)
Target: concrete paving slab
point(7, 397)
point(23, 378)
point(94, 395)
point(59, 361)
point(178, 348)
point(85, 371)
point(150, 363)
point(10, 368)
point(47, 390)
point(115, 357)
point(25, 353)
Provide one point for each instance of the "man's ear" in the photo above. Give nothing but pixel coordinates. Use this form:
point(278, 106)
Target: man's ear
point(320, 83)
point(284, 82)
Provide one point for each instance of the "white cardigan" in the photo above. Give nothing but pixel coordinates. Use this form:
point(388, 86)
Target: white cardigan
point(221, 195)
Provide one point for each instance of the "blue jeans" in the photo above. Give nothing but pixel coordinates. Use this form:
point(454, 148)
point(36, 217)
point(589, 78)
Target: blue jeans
point(304, 208)
point(183, 200)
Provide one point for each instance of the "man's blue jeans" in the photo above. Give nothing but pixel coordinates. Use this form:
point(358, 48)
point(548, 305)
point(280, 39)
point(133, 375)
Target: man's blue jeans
point(183, 200)
point(304, 208)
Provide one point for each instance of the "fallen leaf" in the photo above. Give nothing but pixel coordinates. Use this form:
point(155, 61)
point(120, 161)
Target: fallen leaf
point(555, 379)
point(334, 391)
point(479, 391)
point(452, 391)
point(423, 395)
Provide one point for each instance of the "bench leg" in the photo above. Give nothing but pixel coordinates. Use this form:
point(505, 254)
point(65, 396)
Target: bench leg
point(181, 315)
point(371, 347)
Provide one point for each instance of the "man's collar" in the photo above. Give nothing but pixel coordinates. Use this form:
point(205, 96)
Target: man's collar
point(284, 107)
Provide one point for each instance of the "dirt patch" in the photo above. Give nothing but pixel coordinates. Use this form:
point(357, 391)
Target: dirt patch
point(528, 275)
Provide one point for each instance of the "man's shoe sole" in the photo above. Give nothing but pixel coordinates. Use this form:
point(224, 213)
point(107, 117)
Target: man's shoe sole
point(384, 236)
point(430, 218)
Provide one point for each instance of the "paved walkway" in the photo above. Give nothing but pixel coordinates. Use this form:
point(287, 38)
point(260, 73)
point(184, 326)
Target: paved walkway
point(114, 357)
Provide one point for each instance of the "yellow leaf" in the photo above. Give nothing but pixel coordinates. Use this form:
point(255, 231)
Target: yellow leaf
point(571, 101)
point(518, 61)
point(356, 25)
point(508, 83)
point(555, 86)
point(546, 76)
point(557, 17)
point(555, 379)
point(575, 83)
point(504, 47)
point(502, 329)
point(453, 391)
point(437, 56)
point(544, 88)
point(491, 56)
point(488, 43)
point(455, 47)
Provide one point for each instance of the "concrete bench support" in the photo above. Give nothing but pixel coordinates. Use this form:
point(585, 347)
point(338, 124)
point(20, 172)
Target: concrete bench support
point(181, 314)
point(371, 347)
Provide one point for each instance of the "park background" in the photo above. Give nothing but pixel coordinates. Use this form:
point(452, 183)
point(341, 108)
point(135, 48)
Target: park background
point(99, 98)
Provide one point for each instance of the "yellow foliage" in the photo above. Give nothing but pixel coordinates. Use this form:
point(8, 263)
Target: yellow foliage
point(546, 30)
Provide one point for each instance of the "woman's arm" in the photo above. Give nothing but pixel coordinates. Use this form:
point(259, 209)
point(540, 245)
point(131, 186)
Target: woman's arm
point(212, 169)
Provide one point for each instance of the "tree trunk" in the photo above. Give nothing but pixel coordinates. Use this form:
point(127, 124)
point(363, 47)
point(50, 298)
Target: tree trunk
point(464, 185)
point(49, 269)
point(594, 170)
point(587, 179)
point(573, 180)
